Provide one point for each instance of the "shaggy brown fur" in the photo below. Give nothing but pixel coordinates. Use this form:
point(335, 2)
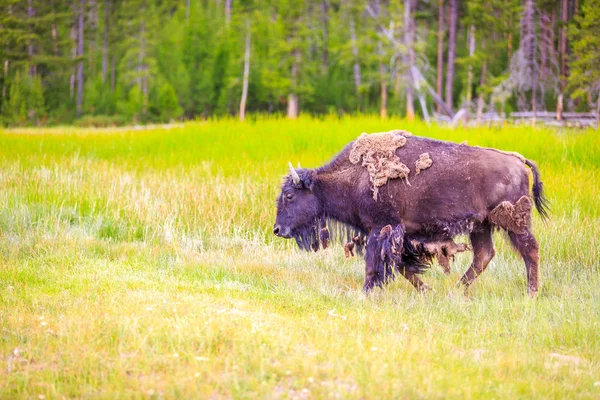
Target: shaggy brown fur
point(378, 154)
point(513, 217)
point(423, 162)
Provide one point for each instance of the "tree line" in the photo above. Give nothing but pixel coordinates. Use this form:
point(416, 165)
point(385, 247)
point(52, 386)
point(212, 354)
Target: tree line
point(121, 61)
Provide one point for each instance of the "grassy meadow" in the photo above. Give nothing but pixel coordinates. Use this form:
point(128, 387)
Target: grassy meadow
point(141, 264)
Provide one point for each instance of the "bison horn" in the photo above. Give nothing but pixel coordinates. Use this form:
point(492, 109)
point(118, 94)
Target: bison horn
point(299, 165)
point(294, 174)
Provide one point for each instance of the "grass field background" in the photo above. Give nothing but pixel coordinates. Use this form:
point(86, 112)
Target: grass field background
point(140, 263)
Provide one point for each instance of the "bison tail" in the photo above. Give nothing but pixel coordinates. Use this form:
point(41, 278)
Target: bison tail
point(541, 203)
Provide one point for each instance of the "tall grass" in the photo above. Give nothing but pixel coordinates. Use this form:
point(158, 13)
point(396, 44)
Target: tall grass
point(139, 263)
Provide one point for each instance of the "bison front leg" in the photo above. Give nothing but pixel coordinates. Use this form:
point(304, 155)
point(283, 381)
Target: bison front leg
point(375, 271)
point(384, 253)
point(483, 252)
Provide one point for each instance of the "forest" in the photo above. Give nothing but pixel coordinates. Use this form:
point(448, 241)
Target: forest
point(113, 62)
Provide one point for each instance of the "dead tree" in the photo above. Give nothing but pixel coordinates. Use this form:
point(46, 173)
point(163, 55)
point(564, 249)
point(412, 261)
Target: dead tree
point(524, 74)
point(417, 76)
point(246, 73)
point(451, 51)
point(440, 52)
point(409, 58)
point(80, 36)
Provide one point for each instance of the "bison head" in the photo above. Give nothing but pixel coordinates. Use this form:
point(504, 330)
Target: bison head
point(299, 209)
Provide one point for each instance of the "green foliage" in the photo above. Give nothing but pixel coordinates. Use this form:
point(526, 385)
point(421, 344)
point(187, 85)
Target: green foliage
point(133, 106)
point(585, 36)
point(297, 47)
point(167, 103)
point(25, 104)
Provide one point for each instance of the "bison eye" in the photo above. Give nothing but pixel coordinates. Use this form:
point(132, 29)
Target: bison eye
point(289, 196)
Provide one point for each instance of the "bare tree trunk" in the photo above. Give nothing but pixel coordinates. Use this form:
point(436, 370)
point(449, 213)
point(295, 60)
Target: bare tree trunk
point(383, 82)
point(54, 32)
point(440, 52)
point(451, 51)
point(105, 44)
point(142, 78)
point(510, 37)
point(529, 46)
point(325, 53)
point(80, 35)
point(471, 40)
point(246, 73)
point(409, 60)
point(357, 77)
point(559, 107)
point(4, 85)
point(481, 83)
point(92, 29)
point(564, 16)
point(30, 15)
point(6, 64)
point(544, 27)
point(598, 112)
point(113, 67)
point(293, 107)
point(73, 56)
point(227, 11)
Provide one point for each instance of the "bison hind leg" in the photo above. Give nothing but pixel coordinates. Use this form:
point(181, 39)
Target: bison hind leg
point(528, 247)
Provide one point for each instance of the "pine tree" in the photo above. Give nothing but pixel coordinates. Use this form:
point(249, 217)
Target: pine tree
point(585, 62)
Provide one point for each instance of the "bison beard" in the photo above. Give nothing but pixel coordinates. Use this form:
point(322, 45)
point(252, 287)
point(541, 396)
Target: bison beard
point(466, 190)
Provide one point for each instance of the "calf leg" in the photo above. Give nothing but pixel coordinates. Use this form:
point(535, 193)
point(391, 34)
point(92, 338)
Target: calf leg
point(444, 262)
point(414, 279)
point(483, 252)
point(528, 247)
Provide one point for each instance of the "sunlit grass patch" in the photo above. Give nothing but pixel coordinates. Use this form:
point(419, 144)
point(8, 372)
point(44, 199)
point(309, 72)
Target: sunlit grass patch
point(141, 263)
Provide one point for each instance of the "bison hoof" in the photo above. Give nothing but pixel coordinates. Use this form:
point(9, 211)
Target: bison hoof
point(533, 293)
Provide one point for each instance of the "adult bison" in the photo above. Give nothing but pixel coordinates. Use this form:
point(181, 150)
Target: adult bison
point(453, 189)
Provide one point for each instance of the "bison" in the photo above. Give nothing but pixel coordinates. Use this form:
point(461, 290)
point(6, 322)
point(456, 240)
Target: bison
point(461, 189)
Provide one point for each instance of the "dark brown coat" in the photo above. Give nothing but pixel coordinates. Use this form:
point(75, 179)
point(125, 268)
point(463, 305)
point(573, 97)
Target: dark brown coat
point(458, 194)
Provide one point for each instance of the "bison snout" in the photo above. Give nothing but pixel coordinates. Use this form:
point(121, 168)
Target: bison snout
point(281, 232)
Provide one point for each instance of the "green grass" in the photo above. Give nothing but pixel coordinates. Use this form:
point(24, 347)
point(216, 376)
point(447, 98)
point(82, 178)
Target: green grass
point(140, 264)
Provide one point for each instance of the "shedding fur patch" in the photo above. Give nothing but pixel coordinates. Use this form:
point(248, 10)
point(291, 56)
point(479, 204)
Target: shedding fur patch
point(423, 162)
point(512, 217)
point(378, 154)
